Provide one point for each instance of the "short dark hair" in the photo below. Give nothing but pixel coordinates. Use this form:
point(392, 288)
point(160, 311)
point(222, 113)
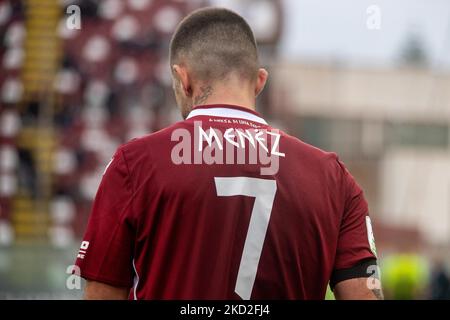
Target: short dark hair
point(215, 42)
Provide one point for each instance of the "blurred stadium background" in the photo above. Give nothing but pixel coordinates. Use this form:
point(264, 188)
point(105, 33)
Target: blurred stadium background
point(369, 80)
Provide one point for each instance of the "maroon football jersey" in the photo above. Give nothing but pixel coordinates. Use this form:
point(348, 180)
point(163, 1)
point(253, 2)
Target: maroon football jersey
point(223, 206)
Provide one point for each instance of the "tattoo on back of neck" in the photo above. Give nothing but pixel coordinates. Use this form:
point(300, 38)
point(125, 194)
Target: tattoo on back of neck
point(206, 92)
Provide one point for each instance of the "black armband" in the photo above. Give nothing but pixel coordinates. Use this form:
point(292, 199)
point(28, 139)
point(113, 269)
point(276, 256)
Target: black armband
point(364, 269)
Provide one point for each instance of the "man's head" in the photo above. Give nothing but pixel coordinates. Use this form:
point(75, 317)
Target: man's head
point(214, 48)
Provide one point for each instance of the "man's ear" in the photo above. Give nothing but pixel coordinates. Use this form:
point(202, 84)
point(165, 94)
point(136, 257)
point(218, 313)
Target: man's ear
point(261, 81)
point(180, 72)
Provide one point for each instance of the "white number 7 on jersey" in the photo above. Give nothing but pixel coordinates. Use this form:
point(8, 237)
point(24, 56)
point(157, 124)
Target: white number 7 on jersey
point(264, 193)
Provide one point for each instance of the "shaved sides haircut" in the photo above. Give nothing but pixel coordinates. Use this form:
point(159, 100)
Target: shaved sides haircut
point(213, 43)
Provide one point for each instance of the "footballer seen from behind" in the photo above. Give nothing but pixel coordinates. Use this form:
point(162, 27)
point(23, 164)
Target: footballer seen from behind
point(222, 205)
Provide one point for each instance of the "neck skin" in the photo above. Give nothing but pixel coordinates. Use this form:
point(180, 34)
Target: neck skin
point(232, 91)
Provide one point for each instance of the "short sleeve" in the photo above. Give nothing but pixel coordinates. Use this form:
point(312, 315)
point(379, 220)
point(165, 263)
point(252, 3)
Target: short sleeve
point(356, 242)
point(106, 251)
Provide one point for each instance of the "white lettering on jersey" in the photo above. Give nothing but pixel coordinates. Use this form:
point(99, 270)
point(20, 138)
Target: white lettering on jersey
point(211, 135)
point(263, 147)
point(209, 138)
point(276, 144)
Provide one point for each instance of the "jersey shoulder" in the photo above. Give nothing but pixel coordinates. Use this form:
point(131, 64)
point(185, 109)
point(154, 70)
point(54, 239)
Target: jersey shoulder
point(144, 153)
point(323, 165)
point(299, 148)
point(152, 141)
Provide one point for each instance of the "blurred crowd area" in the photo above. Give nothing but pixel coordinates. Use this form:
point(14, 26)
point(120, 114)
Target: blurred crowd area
point(70, 97)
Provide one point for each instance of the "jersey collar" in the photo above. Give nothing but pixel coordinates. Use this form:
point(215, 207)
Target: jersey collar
point(226, 111)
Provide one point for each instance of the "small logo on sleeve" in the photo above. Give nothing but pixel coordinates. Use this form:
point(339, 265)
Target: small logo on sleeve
point(83, 249)
point(370, 236)
point(107, 166)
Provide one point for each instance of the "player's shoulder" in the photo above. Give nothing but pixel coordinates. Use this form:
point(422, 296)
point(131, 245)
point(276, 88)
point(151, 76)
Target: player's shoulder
point(298, 146)
point(304, 151)
point(150, 143)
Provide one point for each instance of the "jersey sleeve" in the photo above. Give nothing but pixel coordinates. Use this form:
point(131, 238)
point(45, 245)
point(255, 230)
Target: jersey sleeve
point(106, 251)
point(356, 242)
